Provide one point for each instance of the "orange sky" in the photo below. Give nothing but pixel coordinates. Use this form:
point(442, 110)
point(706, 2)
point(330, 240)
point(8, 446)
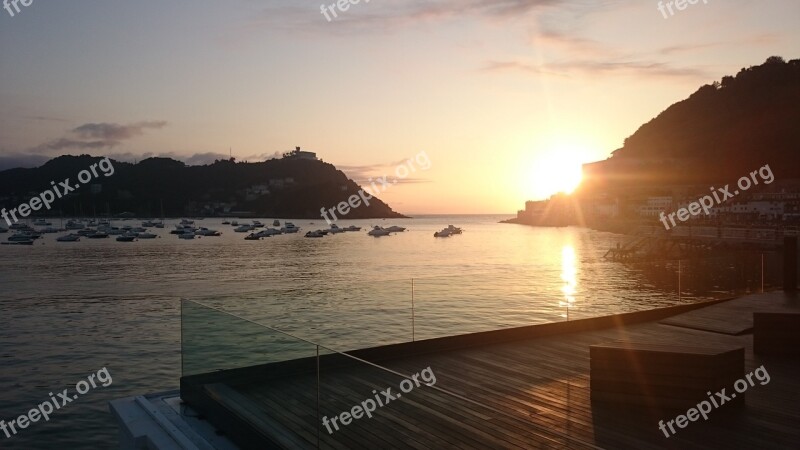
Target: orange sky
point(506, 97)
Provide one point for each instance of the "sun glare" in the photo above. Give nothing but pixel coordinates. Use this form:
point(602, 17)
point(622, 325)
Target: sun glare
point(556, 170)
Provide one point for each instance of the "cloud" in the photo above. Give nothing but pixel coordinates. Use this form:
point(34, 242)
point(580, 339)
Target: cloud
point(380, 17)
point(95, 136)
point(652, 69)
point(364, 174)
point(115, 132)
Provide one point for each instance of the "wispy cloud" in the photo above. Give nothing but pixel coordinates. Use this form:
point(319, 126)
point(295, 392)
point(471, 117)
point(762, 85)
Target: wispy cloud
point(367, 173)
point(115, 132)
point(640, 68)
point(95, 136)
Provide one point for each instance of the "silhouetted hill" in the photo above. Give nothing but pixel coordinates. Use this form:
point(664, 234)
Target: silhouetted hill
point(721, 132)
point(281, 188)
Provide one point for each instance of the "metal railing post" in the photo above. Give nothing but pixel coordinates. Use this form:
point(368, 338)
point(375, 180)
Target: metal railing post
point(413, 324)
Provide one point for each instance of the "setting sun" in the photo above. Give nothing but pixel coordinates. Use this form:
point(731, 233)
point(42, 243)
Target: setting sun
point(555, 170)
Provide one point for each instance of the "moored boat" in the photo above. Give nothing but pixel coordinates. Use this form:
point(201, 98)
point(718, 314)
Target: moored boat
point(377, 231)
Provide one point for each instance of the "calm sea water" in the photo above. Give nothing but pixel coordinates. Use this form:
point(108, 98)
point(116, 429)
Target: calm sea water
point(70, 309)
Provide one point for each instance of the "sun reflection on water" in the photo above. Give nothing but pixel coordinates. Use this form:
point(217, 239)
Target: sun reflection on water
point(569, 275)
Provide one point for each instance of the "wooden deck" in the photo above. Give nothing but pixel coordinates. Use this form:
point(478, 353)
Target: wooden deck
point(530, 393)
point(735, 317)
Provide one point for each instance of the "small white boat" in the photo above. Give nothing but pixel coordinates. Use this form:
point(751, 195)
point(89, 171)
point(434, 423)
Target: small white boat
point(243, 229)
point(257, 224)
point(28, 242)
point(290, 228)
point(334, 229)
point(395, 229)
point(73, 225)
point(20, 237)
point(378, 231)
point(270, 232)
point(207, 232)
point(454, 230)
point(69, 238)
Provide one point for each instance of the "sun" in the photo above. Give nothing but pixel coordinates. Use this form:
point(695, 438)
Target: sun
point(556, 170)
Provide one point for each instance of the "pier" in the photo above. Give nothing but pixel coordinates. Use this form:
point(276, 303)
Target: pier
point(525, 387)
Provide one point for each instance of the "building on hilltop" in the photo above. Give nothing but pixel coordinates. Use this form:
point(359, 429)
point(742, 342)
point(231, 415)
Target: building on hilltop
point(300, 154)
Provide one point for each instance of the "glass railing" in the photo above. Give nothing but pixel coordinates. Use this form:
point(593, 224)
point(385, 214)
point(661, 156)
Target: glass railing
point(257, 382)
point(351, 315)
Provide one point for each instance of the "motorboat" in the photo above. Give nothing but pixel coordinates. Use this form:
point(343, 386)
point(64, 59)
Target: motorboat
point(28, 242)
point(444, 233)
point(18, 226)
point(207, 232)
point(276, 223)
point(49, 230)
point(290, 228)
point(257, 224)
point(69, 238)
point(20, 237)
point(148, 224)
point(270, 232)
point(146, 235)
point(225, 222)
point(126, 238)
point(252, 237)
point(454, 230)
point(378, 231)
point(74, 225)
point(395, 229)
point(352, 228)
point(86, 232)
point(334, 229)
point(41, 223)
point(235, 223)
point(187, 222)
point(243, 229)
point(159, 225)
point(314, 234)
point(98, 235)
point(187, 235)
point(181, 229)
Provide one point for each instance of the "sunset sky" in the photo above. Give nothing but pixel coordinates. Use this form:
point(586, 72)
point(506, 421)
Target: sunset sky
point(506, 97)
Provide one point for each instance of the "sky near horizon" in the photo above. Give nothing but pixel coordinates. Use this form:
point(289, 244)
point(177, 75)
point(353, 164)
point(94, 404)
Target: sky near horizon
point(505, 97)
